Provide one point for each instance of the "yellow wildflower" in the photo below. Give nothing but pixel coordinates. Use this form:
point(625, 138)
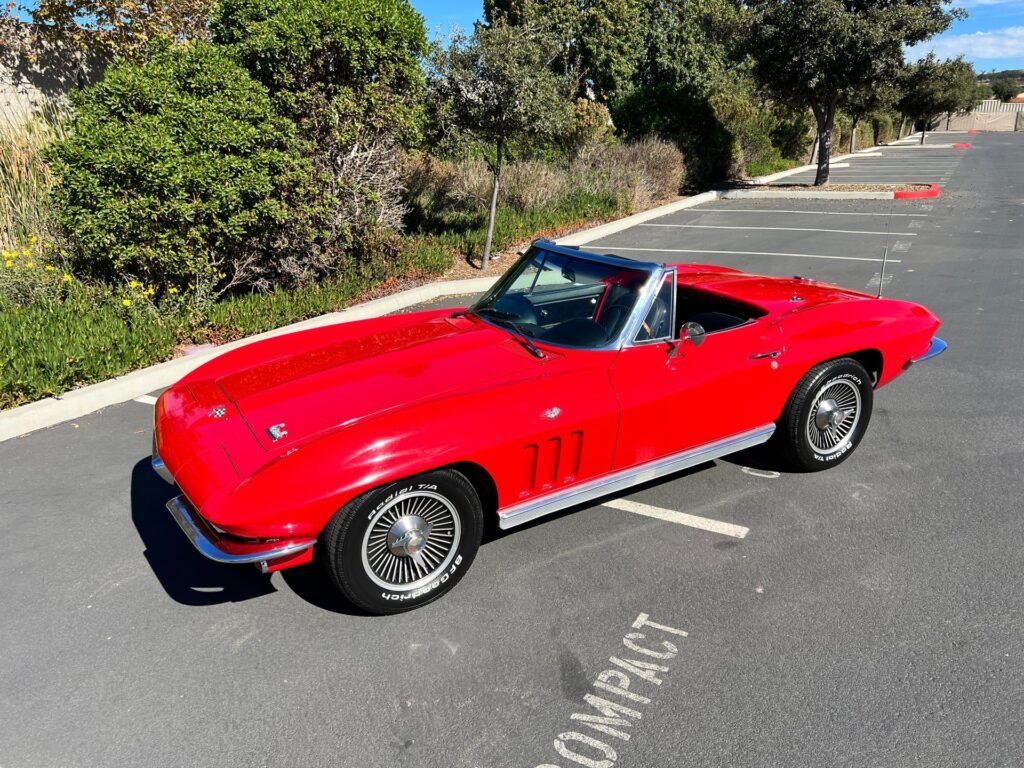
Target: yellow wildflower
point(150, 292)
point(26, 252)
point(126, 302)
point(133, 284)
point(172, 291)
point(67, 278)
point(9, 264)
point(50, 268)
point(30, 264)
point(221, 275)
point(32, 239)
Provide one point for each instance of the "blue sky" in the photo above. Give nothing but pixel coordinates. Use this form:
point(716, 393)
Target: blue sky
point(992, 37)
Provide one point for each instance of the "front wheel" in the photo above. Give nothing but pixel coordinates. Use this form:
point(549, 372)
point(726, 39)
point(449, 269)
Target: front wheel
point(404, 545)
point(826, 415)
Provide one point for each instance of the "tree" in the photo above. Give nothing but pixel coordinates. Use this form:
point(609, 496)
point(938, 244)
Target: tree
point(960, 91)
point(688, 44)
point(860, 103)
point(1005, 88)
point(332, 63)
point(499, 87)
point(600, 41)
point(816, 53)
point(931, 87)
point(125, 29)
point(349, 73)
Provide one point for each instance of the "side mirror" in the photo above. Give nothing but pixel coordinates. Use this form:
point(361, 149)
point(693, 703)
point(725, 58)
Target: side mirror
point(693, 333)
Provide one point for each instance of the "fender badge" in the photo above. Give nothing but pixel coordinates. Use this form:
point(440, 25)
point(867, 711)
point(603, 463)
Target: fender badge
point(552, 413)
point(218, 412)
point(277, 431)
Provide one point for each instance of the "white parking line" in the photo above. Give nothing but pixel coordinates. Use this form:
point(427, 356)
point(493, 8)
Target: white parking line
point(749, 253)
point(822, 213)
point(770, 474)
point(782, 229)
point(680, 518)
point(145, 399)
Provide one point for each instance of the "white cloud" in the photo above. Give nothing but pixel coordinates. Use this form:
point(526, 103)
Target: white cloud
point(1006, 43)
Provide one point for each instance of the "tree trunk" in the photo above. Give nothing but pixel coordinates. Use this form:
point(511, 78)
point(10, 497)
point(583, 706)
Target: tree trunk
point(826, 121)
point(496, 173)
point(924, 129)
point(853, 136)
point(903, 120)
point(949, 117)
point(814, 149)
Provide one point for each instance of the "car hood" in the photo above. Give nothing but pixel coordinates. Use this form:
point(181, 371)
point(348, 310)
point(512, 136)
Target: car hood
point(324, 381)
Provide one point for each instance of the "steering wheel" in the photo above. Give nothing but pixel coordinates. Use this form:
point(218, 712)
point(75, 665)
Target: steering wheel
point(518, 305)
point(655, 325)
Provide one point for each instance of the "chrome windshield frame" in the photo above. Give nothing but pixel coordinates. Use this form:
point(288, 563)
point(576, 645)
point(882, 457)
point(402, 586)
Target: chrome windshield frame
point(655, 277)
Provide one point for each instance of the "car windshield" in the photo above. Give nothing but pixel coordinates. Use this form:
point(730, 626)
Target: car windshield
point(565, 299)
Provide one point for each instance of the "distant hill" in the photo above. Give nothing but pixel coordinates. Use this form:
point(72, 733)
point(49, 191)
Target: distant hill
point(1012, 74)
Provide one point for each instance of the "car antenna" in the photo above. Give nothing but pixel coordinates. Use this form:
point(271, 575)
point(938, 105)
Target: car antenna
point(885, 251)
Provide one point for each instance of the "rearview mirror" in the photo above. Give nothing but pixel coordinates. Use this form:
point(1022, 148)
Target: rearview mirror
point(693, 333)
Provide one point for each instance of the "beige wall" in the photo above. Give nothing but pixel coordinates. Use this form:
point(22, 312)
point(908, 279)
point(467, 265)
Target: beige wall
point(975, 121)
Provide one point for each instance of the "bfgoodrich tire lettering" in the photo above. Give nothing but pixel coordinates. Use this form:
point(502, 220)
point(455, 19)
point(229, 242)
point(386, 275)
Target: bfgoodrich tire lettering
point(826, 415)
point(405, 544)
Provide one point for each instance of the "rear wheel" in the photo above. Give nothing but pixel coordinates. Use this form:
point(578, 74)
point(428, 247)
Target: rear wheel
point(405, 544)
point(827, 415)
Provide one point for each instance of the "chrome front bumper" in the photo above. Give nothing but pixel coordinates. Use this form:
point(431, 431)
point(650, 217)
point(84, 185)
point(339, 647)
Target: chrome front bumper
point(214, 546)
point(158, 464)
point(209, 541)
point(936, 348)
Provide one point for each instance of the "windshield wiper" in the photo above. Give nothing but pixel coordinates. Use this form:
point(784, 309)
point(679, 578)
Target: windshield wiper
point(489, 311)
point(504, 320)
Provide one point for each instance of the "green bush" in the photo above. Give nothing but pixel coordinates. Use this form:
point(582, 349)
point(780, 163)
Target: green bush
point(172, 172)
point(766, 167)
point(47, 348)
point(687, 118)
point(355, 60)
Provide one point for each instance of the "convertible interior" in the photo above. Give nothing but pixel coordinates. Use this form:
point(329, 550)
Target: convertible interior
point(591, 315)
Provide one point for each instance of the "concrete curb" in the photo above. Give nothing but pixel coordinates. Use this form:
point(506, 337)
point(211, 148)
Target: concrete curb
point(934, 190)
point(79, 402)
point(919, 194)
point(755, 194)
point(604, 230)
point(922, 146)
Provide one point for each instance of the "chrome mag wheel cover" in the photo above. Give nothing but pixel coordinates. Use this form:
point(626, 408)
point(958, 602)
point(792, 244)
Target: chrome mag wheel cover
point(411, 540)
point(834, 415)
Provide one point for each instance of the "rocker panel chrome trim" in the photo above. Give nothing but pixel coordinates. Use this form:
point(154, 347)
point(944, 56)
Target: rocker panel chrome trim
point(524, 512)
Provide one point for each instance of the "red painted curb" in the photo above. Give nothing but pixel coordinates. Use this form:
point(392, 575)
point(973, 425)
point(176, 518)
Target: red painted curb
point(962, 145)
point(934, 190)
point(974, 132)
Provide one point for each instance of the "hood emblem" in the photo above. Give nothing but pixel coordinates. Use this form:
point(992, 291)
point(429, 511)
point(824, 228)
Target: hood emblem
point(218, 412)
point(277, 431)
point(552, 413)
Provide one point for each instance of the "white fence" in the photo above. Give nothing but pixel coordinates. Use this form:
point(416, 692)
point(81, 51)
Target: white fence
point(994, 105)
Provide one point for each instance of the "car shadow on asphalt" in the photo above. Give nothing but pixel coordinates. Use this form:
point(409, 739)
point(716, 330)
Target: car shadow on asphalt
point(186, 576)
point(765, 457)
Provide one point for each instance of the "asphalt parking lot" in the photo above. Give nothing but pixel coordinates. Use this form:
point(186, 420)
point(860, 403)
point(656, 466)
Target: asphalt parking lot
point(865, 616)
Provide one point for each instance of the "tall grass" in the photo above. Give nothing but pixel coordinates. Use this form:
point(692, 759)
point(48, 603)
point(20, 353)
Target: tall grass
point(25, 178)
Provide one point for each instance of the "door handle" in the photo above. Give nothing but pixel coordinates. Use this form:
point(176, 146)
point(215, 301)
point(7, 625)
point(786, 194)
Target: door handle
point(762, 355)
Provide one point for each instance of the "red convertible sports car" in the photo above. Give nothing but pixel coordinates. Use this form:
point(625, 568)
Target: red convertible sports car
point(379, 447)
